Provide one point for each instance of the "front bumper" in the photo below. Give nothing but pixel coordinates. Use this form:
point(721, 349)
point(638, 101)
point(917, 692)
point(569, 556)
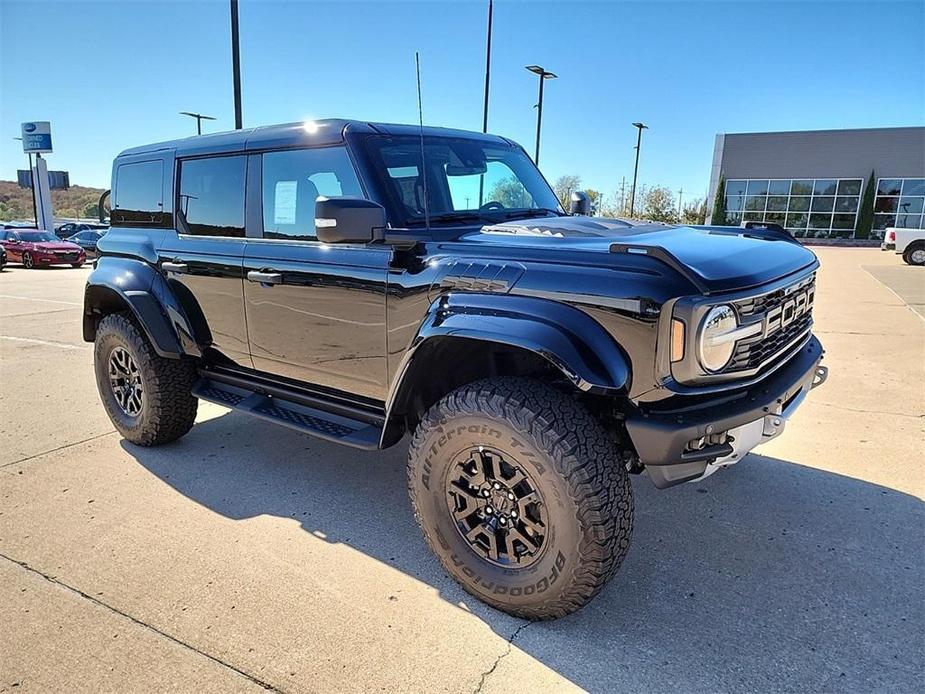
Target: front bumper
point(748, 418)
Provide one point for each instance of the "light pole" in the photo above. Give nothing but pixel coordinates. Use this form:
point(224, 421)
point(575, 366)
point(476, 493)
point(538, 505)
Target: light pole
point(199, 118)
point(35, 212)
point(487, 68)
point(236, 66)
point(543, 75)
point(640, 127)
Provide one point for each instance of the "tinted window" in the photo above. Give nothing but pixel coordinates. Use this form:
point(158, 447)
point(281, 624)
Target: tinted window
point(292, 180)
point(211, 199)
point(138, 198)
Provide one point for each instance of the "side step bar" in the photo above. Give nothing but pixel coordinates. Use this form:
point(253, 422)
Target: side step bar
point(360, 431)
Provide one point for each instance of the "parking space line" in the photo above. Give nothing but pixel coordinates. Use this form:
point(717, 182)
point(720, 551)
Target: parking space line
point(47, 343)
point(55, 450)
point(33, 298)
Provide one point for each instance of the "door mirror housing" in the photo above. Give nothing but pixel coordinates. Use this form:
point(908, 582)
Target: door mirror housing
point(348, 220)
point(579, 203)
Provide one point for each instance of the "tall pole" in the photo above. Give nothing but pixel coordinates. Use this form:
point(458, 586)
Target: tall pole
point(35, 209)
point(639, 127)
point(543, 75)
point(487, 68)
point(680, 193)
point(539, 122)
point(236, 66)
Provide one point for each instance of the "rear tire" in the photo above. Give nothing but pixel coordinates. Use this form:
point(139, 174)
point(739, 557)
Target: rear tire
point(915, 254)
point(160, 407)
point(540, 444)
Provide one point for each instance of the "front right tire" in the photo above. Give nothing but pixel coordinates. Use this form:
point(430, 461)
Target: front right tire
point(521, 494)
point(28, 261)
point(147, 397)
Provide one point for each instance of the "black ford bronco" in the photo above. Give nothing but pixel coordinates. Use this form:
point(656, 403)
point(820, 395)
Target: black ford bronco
point(361, 282)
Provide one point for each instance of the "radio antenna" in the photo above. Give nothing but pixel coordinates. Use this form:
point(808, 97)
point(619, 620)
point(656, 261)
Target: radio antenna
point(417, 64)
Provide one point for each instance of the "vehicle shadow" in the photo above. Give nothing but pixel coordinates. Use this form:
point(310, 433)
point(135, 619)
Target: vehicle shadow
point(771, 576)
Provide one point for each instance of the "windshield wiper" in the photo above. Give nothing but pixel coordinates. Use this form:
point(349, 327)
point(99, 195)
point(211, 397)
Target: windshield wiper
point(533, 212)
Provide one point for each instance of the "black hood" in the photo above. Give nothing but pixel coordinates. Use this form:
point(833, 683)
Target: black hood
point(715, 259)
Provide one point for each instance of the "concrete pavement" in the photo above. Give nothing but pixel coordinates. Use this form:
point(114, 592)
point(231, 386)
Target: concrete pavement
point(247, 556)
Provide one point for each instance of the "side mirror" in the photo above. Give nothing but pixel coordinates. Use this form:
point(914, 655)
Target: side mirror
point(348, 220)
point(579, 203)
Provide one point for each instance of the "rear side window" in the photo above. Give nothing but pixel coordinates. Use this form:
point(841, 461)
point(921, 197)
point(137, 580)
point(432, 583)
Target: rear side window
point(293, 179)
point(211, 199)
point(138, 198)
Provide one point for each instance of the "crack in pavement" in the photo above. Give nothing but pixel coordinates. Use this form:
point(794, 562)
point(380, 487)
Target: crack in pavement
point(507, 651)
point(55, 450)
point(76, 591)
point(863, 411)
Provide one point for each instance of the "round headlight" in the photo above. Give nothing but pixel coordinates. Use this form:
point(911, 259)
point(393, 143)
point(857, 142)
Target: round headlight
point(716, 342)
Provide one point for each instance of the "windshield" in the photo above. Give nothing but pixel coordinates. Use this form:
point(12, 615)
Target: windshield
point(468, 180)
point(37, 236)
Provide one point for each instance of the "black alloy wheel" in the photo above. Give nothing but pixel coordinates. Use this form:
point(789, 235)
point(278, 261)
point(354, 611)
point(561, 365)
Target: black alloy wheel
point(497, 508)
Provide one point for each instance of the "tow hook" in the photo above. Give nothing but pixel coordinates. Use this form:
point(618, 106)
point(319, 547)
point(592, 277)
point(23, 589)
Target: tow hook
point(820, 377)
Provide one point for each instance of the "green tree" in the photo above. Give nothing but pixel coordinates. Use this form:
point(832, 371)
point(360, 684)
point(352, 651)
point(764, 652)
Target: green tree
point(719, 203)
point(658, 205)
point(565, 186)
point(866, 213)
point(91, 209)
point(510, 193)
point(694, 212)
point(595, 197)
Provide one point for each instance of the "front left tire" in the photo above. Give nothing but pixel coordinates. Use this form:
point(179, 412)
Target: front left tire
point(147, 397)
point(521, 494)
point(28, 261)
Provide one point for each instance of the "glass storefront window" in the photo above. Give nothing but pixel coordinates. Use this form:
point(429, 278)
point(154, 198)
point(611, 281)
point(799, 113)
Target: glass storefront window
point(755, 202)
point(777, 203)
point(849, 186)
point(801, 187)
point(734, 203)
point(914, 186)
point(805, 206)
point(824, 187)
point(889, 186)
point(899, 203)
point(759, 187)
point(735, 187)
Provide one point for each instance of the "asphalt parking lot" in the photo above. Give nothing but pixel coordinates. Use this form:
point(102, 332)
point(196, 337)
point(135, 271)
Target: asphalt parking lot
point(246, 556)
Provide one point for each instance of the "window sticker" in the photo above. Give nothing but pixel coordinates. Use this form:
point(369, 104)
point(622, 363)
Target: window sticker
point(284, 198)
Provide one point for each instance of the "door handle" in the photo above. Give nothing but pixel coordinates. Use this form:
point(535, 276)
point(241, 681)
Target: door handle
point(174, 267)
point(265, 277)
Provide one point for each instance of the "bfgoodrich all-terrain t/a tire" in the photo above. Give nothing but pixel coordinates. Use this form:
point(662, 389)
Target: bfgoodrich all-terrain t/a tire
point(148, 398)
point(521, 495)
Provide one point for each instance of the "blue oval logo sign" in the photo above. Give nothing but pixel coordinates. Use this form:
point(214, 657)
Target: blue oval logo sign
point(29, 127)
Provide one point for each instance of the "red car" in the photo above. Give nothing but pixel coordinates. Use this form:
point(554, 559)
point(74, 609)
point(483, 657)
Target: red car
point(35, 248)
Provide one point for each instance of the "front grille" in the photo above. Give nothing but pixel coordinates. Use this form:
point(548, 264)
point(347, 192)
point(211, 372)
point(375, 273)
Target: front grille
point(780, 329)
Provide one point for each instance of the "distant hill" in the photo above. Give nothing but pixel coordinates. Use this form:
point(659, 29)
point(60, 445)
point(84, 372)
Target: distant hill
point(76, 201)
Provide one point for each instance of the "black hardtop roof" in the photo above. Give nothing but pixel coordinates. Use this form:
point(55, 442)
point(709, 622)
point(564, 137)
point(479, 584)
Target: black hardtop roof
point(315, 133)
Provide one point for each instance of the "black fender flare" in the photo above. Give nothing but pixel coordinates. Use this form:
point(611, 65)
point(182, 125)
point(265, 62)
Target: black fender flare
point(569, 339)
point(116, 283)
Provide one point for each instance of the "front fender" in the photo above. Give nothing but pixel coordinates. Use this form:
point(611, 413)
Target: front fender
point(569, 339)
point(119, 283)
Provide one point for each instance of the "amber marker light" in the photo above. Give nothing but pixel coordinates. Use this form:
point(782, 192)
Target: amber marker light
point(677, 340)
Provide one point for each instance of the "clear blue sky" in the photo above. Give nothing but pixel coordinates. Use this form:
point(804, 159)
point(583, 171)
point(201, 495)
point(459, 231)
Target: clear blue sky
point(111, 75)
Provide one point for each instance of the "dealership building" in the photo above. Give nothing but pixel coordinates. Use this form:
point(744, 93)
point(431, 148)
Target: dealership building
point(812, 182)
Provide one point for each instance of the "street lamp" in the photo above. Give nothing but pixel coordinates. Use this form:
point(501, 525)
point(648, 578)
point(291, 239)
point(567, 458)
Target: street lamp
point(543, 75)
point(640, 127)
point(199, 118)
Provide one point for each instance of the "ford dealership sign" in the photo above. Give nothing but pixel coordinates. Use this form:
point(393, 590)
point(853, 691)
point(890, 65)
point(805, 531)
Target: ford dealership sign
point(36, 137)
